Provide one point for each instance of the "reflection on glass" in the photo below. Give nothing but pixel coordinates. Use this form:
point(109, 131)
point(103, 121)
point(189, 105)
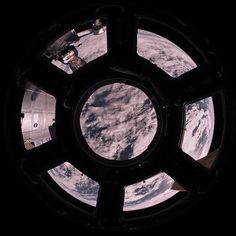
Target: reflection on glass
point(118, 121)
point(148, 192)
point(38, 116)
point(75, 183)
point(78, 47)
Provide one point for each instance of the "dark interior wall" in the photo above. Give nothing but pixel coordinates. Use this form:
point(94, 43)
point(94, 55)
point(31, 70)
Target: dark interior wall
point(22, 207)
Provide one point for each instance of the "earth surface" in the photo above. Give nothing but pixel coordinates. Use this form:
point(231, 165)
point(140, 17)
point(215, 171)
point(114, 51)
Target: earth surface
point(119, 122)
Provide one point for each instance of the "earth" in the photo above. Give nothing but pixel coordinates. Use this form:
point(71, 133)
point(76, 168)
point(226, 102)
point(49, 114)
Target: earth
point(119, 122)
point(122, 118)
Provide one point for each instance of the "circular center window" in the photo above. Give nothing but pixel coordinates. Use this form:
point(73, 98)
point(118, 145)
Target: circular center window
point(118, 121)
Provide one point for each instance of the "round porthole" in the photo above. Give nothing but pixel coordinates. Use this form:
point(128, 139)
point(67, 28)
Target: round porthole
point(118, 121)
point(121, 115)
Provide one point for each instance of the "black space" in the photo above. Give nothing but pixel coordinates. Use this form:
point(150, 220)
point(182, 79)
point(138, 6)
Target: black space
point(21, 209)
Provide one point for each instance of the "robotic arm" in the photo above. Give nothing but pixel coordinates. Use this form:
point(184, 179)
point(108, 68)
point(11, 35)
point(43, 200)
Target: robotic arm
point(64, 48)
